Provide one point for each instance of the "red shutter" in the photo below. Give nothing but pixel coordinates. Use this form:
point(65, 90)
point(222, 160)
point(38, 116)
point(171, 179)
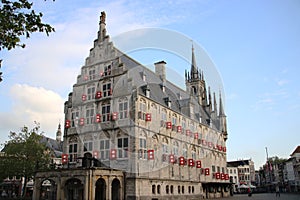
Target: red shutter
point(114, 116)
point(224, 149)
point(98, 94)
point(95, 154)
point(83, 97)
point(86, 78)
point(198, 163)
point(226, 176)
point(191, 162)
point(222, 176)
point(204, 142)
point(181, 160)
point(179, 129)
point(206, 171)
point(220, 148)
point(113, 154)
point(68, 123)
point(217, 175)
point(98, 118)
point(64, 158)
point(151, 154)
point(101, 73)
point(196, 135)
point(172, 158)
point(148, 117)
point(81, 122)
point(169, 125)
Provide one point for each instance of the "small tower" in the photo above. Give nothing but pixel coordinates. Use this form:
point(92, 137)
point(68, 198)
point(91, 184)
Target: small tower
point(58, 133)
point(102, 27)
point(195, 84)
point(222, 117)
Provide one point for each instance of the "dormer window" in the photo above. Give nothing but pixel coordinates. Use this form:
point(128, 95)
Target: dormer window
point(146, 91)
point(168, 101)
point(144, 76)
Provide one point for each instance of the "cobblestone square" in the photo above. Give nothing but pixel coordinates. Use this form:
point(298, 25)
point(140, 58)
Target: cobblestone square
point(264, 196)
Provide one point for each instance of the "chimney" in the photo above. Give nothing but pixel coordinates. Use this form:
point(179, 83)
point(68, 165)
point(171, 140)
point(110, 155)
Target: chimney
point(160, 69)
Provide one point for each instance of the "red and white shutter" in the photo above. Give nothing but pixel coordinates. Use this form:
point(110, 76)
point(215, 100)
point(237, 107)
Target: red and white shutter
point(206, 171)
point(96, 154)
point(198, 163)
point(196, 135)
point(113, 154)
point(191, 162)
point(179, 129)
point(64, 158)
point(151, 154)
point(81, 121)
point(181, 160)
point(68, 123)
point(114, 116)
point(172, 158)
point(98, 118)
point(168, 125)
point(83, 97)
point(148, 117)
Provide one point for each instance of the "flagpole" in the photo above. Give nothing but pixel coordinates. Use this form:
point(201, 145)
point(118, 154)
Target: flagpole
point(269, 168)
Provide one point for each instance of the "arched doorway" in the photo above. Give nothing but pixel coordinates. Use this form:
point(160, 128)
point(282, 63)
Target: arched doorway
point(100, 190)
point(48, 190)
point(115, 189)
point(74, 189)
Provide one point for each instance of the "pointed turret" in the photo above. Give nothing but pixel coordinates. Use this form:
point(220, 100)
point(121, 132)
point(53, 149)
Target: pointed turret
point(222, 117)
point(215, 104)
point(209, 100)
point(58, 133)
point(194, 68)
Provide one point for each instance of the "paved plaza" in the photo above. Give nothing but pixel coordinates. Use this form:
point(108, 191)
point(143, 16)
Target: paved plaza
point(264, 196)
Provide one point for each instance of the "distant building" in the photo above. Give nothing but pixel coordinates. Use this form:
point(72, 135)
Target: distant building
point(243, 172)
point(291, 172)
point(131, 134)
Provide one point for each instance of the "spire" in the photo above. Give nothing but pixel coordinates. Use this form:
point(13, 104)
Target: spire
point(209, 100)
point(58, 133)
point(215, 104)
point(194, 69)
point(221, 109)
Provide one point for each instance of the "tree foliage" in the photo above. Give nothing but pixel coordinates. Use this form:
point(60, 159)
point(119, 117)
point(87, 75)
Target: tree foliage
point(17, 19)
point(23, 154)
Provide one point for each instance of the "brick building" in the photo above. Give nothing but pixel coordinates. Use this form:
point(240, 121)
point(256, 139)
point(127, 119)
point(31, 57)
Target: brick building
point(132, 134)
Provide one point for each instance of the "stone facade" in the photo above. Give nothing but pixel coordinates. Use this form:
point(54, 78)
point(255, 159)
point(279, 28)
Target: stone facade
point(168, 143)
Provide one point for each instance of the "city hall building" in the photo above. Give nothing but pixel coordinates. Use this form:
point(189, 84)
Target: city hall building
point(132, 134)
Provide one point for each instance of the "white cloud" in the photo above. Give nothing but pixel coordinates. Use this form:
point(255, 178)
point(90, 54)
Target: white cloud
point(33, 104)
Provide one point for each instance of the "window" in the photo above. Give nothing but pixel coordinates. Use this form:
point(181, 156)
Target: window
point(175, 149)
point(123, 109)
point(104, 149)
point(213, 169)
point(164, 115)
point(143, 106)
point(193, 155)
point(107, 70)
point(174, 120)
point(184, 152)
point(105, 112)
point(167, 189)
point(75, 117)
point(123, 147)
point(178, 189)
point(91, 93)
point(106, 89)
point(73, 152)
point(88, 146)
point(92, 73)
point(153, 189)
point(218, 169)
point(143, 149)
point(183, 124)
point(90, 115)
point(165, 151)
point(158, 189)
point(171, 189)
point(182, 189)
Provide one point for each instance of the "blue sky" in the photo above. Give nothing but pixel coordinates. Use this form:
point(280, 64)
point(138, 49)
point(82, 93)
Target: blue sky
point(255, 46)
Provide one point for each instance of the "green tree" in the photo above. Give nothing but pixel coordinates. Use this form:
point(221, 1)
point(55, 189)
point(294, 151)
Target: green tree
point(24, 154)
point(17, 18)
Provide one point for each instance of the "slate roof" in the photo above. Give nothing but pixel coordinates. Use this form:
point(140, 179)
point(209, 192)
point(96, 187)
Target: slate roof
point(179, 98)
point(297, 150)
